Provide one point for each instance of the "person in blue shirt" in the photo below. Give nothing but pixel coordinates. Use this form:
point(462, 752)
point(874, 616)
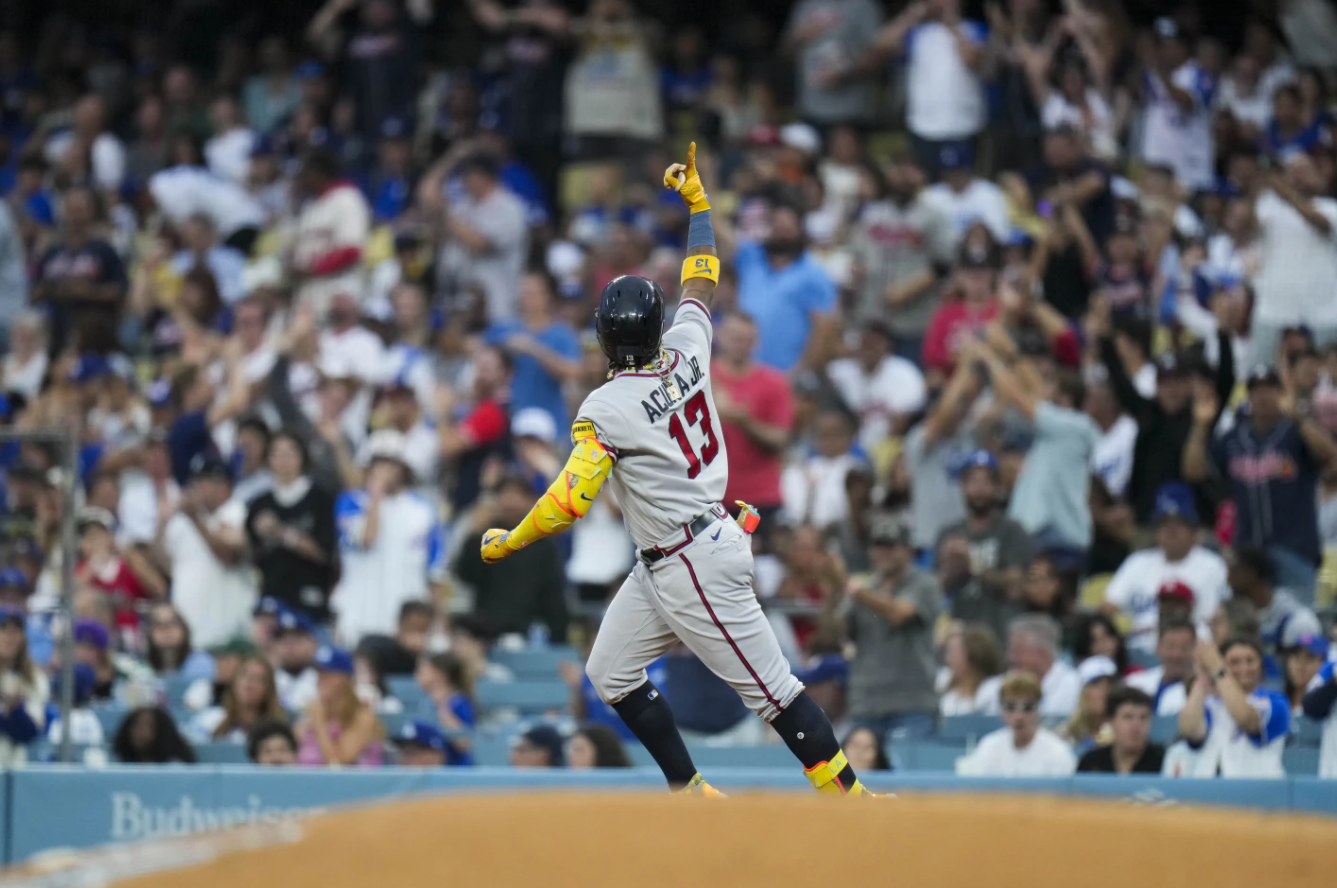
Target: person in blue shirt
point(1288, 130)
point(447, 683)
point(545, 350)
point(389, 185)
point(421, 745)
point(1271, 460)
point(791, 297)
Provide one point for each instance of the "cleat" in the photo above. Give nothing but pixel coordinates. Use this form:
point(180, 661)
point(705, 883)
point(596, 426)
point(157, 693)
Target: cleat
point(699, 786)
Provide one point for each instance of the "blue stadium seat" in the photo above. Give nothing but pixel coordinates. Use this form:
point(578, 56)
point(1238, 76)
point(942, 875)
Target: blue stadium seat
point(222, 753)
point(536, 662)
point(1145, 659)
point(174, 689)
point(526, 696)
point(1307, 732)
point(110, 716)
point(1165, 729)
point(968, 727)
point(926, 755)
point(1300, 761)
point(402, 687)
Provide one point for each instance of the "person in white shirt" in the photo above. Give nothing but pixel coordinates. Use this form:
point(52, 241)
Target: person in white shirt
point(204, 542)
point(1178, 93)
point(350, 351)
point(295, 646)
point(1297, 258)
point(228, 153)
point(187, 189)
point(1137, 583)
point(1032, 646)
point(966, 198)
point(397, 408)
point(1112, 458)
point(944, 94)
point(1022, 748)
point(200, 247)
point(885, 390)
point(331, 233)
point(391, 544)
point(813, 490)
point(1234, 726)
point(24, 367)
point(1244, 97)
point(106, 154)
point(1166, 684)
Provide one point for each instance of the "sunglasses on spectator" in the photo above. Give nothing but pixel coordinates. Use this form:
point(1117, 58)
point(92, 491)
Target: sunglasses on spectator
point(1027, 707)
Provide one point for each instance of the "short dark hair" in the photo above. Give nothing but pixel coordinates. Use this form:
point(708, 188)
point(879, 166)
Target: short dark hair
point(265, 729)
point(1248, 641)
point(414, 608)
point(182, 383)
point(322, 162)
point(478, 162)
point(1123, 695)
point(1257, 560)
point(512, 479)
point(285, 433)
point(1176, 624)
point(1289, 90)
point(1071, 386)
point(1136, 328)
point(256, 424)
point(471, 625)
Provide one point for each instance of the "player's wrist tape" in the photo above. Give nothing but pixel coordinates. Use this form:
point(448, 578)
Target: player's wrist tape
point(700, 231)
point(707, 267)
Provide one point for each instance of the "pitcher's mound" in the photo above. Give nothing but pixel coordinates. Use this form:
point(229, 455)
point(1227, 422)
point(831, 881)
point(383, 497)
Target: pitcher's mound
point(633, 840)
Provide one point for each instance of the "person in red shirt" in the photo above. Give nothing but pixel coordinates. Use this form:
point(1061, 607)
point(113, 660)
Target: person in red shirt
point(757, 412)
point(474, 432)
point(966, 315)
point(101, 568)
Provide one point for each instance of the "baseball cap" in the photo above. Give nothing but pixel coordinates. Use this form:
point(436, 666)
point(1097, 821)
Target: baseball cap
point(1167, 28)
point(888, 530)
point(548, 738)
point(418, 733)
point(1300, 624)
point(89, 367)
point(207, 466)
point(234, 647)
point(309, 71)
point(12, 576)
point(1175, 500)
point(92, 632)
point(11, 614)
point(801, 136)
point(95, 515)
point(1262, 374)
point(396, 387)
point(1176, 589)
point(295, 621)
point(159, 393)
point(333, 659)
point(387, 444)
point(977, 459)
point(268, 604)
point(534, 422)
point(1315, 644)
point(394, 128)
point(956, 156)
point(1095, 668)
point(27, 547)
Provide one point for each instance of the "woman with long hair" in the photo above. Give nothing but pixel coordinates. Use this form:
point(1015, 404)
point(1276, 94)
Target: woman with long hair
point(169, 647)
point(448, 684)
point(338, 727)
point(148, 736)
point(1300, 664)
point(866, 750)
point(1095, 635)
point(596, 746)
point(970, 654)
point(1089, 725)
point(24, 690)
point(250, 699)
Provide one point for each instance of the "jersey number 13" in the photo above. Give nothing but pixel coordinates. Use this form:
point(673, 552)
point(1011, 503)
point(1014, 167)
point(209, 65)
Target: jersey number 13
point(695, 411)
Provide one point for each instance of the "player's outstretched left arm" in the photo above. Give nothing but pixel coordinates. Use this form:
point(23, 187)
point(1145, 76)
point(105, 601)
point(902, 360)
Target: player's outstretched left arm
point(566, 500)
point(701, 268)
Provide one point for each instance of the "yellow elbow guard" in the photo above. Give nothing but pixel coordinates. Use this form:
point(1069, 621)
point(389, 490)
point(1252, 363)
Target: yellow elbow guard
point(568, 497)
point(707, 267)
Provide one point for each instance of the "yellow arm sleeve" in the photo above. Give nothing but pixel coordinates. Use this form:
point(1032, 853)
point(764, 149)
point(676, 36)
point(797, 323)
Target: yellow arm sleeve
point(571, 495)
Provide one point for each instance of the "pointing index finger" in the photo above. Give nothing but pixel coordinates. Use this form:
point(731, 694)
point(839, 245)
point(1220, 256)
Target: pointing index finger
point(691, 154)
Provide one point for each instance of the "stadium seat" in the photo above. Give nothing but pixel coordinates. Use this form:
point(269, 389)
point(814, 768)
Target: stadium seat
point(926, 755)
point(222, 753)
point(527, 697)
point(1307, 732)
point(967, 727)
point(536, 662)
point(110, 716)
point(1145, 659)
point(174, 690)
point(1300, 761)
point(1165, 729)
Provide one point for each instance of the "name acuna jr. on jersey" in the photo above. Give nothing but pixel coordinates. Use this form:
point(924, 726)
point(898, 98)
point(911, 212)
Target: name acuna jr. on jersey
point(672, 389)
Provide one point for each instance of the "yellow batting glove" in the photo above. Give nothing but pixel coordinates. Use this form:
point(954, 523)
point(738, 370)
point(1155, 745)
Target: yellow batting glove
point(684, 179)
point(496, 545)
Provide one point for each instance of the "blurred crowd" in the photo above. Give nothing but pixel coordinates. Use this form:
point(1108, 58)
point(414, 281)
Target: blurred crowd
point(1027, 323)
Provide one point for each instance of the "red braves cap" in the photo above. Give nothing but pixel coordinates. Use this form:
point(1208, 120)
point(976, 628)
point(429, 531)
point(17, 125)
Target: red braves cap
point(1176, 589)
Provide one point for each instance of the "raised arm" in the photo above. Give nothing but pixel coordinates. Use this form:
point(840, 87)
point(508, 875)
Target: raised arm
point(701, 268)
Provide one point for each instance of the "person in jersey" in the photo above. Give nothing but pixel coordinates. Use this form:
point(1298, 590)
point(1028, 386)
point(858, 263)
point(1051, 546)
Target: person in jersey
point(653, 429)
point(1235, 727)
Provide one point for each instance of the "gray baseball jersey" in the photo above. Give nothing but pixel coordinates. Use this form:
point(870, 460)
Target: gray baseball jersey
point(671, 467)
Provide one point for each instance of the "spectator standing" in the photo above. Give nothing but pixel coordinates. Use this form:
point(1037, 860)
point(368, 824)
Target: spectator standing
point(830, 39)
point(1281, 616)
point(544, 350)
point(885, 391)
point(228, 152)
point(1297, 258)
point(612, 102)
point(335, 223)
point(89, 136)
point(1176, 558)
point(271, 95)
point(204, 542)
point(337, 728)
point(24, 688)
point(756, 410)
point(1022, 748)
point(984, 554)
point(380, 59)
point(890, 620)
point(944, 93)
point(487, 235)
point(1272, 460)
point(814, 487)
point(966, 198)
point(970, 658)
point(961, 319)
point(81, 278)
point(1033, 647)
point(292, 532)
point(933, 451)
point(783, 287)
point(1235, 727)
point(390, 541)
point(1130, 751)
point(1178, 91)
point(1167, 683)
point(904, 244)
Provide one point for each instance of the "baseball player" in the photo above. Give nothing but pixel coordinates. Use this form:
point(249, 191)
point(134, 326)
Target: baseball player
point(653, 430)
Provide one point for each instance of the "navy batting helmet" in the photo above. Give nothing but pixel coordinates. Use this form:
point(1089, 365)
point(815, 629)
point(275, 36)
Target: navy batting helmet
point(630, 321)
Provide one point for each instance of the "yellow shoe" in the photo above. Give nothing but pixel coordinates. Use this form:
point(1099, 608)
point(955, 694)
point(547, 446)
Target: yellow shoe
point(825, 776)
point(699, 786)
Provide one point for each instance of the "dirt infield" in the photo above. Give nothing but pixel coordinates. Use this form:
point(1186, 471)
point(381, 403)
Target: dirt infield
point(628, 840)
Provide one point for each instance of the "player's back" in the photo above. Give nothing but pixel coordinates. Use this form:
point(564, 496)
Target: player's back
point(661, 426)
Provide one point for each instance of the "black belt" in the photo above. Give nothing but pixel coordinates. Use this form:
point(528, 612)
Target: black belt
point(691, 531)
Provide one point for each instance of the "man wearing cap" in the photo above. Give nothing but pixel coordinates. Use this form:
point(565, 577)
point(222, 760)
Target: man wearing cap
point(204, 546)
point(391, 543)
point(884, 389)
point(966, 198)
point(544, 348)
point(389, 187)
point(1179, 94)
point(1176, 558)
point(890, 617)
point(397, 410)
point(420, 745)
point(295, 648)
point(102, 568)
point(541, 746)
point(963, 318)
point(334, 225)
point(982, 556)
point(1272, 460)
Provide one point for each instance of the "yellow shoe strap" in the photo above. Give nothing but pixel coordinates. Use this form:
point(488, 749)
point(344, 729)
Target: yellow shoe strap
point(822, 776)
